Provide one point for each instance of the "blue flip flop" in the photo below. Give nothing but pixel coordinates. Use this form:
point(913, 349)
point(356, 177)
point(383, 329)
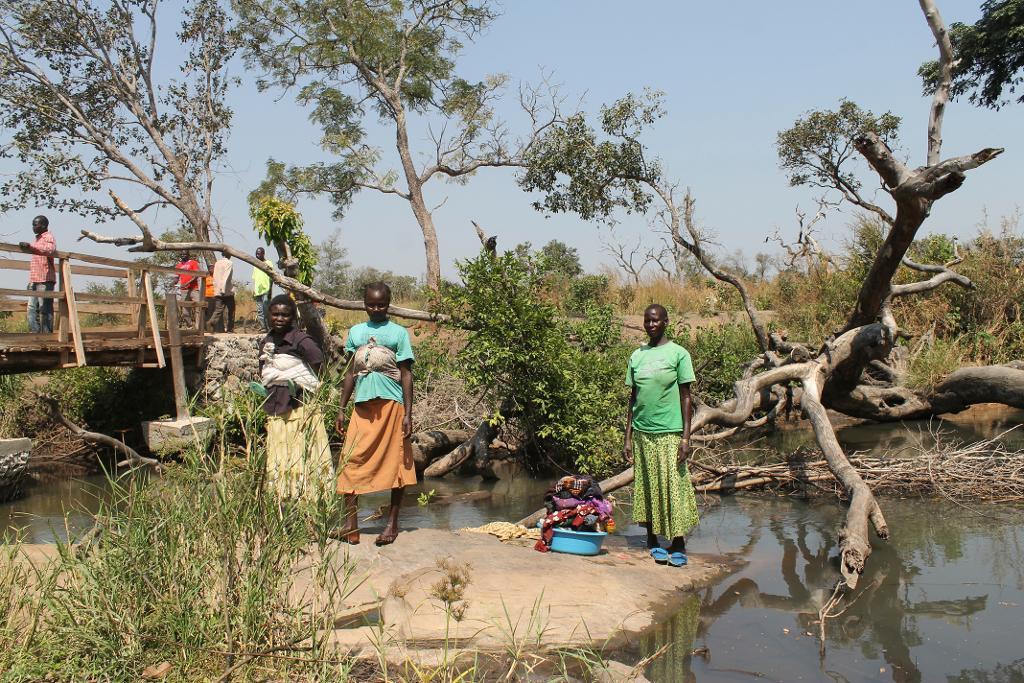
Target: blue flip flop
point(660, 555)
point(677, 559)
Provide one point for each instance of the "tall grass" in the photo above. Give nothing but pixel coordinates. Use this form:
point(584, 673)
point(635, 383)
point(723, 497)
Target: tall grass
point(699, 296)
point(194, 569)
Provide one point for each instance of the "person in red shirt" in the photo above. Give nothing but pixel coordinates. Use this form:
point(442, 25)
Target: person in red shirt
point(42, 277)
point(188, 285)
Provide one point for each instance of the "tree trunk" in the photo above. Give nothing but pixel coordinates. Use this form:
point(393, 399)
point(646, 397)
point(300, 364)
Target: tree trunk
point(430, 445)
point(415, 198)
point(854, 544)
point(430, 248)
point(476, 446)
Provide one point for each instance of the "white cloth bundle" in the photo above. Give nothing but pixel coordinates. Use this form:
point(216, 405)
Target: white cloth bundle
point(280, 368)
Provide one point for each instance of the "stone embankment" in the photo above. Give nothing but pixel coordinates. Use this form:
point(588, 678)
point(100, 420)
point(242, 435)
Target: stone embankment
point(14, 455)
point(231, 361)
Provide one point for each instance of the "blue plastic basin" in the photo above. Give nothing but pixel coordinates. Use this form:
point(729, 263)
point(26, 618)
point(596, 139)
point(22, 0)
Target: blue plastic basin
point(577, 542)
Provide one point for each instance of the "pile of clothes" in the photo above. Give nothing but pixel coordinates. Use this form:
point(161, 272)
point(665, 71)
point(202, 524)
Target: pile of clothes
point(575, 503)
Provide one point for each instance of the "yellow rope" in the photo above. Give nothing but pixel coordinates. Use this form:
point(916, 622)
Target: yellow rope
point(505, 531)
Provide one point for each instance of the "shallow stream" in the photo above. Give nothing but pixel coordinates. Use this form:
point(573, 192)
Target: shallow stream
point(942, 600)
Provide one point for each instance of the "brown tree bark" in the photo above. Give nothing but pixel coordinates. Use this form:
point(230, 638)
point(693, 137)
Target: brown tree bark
point(429, 445)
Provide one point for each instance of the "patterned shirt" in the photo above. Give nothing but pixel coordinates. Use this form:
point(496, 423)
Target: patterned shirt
point(41, 267)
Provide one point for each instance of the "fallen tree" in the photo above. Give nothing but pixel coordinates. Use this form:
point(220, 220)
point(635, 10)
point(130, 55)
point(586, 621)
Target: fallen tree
point(132, 456)
point(847, 372)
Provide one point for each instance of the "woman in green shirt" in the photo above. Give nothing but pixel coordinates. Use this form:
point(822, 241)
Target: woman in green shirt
point(658, 439)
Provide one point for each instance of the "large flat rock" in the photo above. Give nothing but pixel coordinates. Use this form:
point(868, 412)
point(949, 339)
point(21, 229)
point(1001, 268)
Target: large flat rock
point(552, 599)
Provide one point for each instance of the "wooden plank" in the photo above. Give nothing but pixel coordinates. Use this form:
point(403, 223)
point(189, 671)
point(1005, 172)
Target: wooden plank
point(13, 264)
point(111, 298)
point(111, 309)
point(30, 293)
point(8, 306)
point(201, 318)
point(26, 338)
point(99, 272)
point(104, 261)
point(137, 316)
point(110, 331)
point(177, 364)
point(76, 332)
point(147, 286)
point(63, 320)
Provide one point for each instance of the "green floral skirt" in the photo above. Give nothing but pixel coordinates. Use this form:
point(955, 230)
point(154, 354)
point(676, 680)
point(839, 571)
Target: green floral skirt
point(662, 492)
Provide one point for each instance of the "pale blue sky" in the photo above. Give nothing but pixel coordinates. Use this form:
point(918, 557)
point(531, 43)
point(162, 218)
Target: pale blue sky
point(734, 74)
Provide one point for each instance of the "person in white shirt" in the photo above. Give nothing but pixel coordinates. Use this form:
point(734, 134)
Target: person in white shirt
point(223, 318)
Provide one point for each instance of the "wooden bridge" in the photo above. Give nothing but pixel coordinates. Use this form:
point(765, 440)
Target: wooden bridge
point(135, 329)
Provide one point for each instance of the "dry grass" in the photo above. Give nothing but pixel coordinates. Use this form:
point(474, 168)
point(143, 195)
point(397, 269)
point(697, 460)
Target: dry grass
point(934, 465)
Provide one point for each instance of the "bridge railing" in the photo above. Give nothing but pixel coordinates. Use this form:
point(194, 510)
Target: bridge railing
point(137, 312)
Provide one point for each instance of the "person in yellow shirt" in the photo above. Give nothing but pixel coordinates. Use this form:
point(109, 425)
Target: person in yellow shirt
point(262, 288)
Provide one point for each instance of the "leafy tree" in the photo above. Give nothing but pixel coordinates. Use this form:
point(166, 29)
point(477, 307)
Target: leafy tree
point(819, 151)
point(86, 109)
point(558, 257)
point(561, 379)
point(577, 173)
point(278, 223)
point(989, 55)
point(598, 172)
point(332, 270)
point(393, 60)
point(403, 287)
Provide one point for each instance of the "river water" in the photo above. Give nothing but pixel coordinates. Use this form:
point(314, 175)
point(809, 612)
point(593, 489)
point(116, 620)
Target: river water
point(943, 599)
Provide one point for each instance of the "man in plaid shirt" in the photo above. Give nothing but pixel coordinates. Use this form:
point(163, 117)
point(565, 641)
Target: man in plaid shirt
point(41, 276)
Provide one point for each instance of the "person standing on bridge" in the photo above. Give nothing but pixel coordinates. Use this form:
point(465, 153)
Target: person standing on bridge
point(188, 286)
point(223, 319)
point(262, 288)
point(42, 277)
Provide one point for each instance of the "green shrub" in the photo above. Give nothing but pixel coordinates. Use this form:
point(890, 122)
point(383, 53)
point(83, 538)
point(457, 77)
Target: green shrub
point(109, 398)
point(561, 380)
point(931, 365)
point(585, 290)
point(719, 354)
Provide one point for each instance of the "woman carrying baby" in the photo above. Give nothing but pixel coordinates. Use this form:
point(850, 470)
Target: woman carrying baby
point(298, 452)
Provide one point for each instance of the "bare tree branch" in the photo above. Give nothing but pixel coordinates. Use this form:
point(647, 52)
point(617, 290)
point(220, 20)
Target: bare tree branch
point(141, 244)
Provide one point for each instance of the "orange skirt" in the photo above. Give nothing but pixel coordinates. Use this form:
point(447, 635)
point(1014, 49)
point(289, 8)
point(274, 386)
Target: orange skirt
point(376, 457)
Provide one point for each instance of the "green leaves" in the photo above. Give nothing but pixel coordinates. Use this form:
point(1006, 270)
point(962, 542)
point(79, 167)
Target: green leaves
point(577, 172)
point(277, 222)
point(85, 109)
point(989, 55)
point(562, 378)
point(815, 150)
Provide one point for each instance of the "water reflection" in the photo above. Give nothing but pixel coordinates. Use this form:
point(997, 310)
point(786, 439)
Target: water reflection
point(943, 601)
point(49, 512)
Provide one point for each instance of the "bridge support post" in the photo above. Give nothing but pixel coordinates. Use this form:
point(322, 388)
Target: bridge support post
point(177, 364)
point(175, 435)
